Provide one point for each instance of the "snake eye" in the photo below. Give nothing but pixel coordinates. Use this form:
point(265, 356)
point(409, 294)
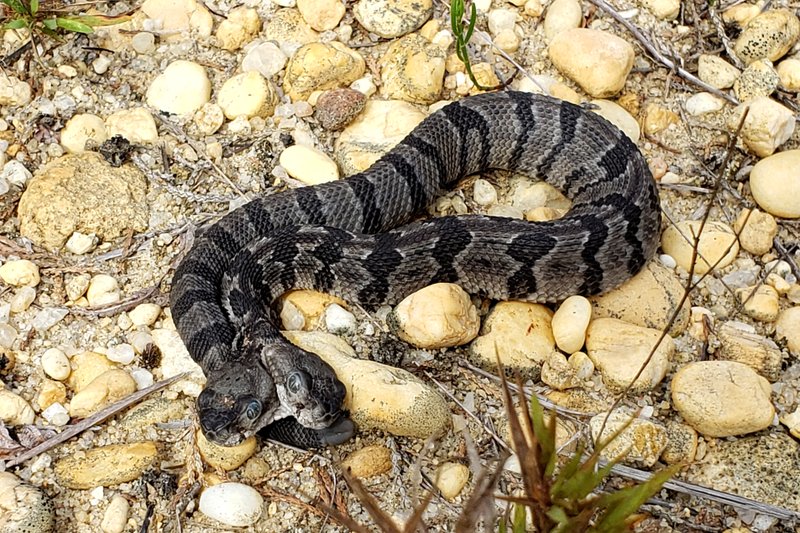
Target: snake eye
point(297, 381)
point(253, 410)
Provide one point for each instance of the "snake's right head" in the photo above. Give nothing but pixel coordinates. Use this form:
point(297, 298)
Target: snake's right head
point(238, 401)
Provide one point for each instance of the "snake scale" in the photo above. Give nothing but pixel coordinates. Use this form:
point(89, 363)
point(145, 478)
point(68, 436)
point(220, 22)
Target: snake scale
point(354, 238)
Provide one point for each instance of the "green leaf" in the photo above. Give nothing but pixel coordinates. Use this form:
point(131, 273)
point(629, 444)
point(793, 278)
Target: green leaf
point(16, 24)
point(544, 433)
point(16, 6)
point(70, 24)
point(519, 520)
point(101, 20)
point(50, 24)
point(34, 6)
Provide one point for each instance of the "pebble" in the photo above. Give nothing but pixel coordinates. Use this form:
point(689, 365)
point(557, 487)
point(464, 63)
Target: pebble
point(758, 79)
point(320, 66)
point(792, 422)
point(323, 15)
point(77, 285)
point(105, 466)
point(519, 333)
point(135, 124)
point(500, 20)
point(51, 392)
point(48, 317)
point(121, 353)
point(182, 88)
point(14, 92)
point(368, 461)
point(103, 289)
point(562, 15)
point(115, 517)
point(597, 61)
point(7, 335)
point(307, 307)
point(379, 396)
point(20, 273)
point(209, 118)
point(143, 42)
point(240, 26)
point(769, 35)
point(703, 103)
point(639, 444)
point(55, 364)
point(79, 243)
point(767, 126)
point(570, 322)
point(86, 366)
point(412, 69)
point(760, 302)
point(450, 479)
point(392, 18)
point(24, 508)
point(663, 9)
point(483, 193)
point(618, 116)
point(14, 409)
point(102, 391)
point(775, 184)
point(145, 314)
point(717, 246)
point(648, 299)
point(658, 119)
point(722, 398)
point(81, 128)
point(308, 165)
point(82, 192)
point(757, 229)
point(287, 28)
point(787, 327)
point(789, 74)
point(438, 316)
point(225, 457)
point(15, 173)
point(56, 414)
point(175, 19)
point(618, 350)
point(22, 299)
point(739, 342)
point(336, 108)
point(681, 444)
point(339, 320)
point(248, 94)
point(175, 359)
point(716, 71)
point(233, 504)
point(374, 132)
point(266, 58)
point(559, 374)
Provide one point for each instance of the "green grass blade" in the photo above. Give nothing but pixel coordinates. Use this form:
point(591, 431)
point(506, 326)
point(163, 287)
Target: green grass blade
point(16, 6)
point(70, 24)
point(520, 517)
point(34, 7)
point(16, 24)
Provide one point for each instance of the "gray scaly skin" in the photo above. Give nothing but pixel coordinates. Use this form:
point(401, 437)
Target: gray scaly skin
point(351, 238)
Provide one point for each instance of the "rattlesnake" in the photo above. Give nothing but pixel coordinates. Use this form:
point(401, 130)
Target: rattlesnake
point(352, 238)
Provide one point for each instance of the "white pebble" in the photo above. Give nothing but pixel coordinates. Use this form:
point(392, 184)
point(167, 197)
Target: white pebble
point(79, 243)
point(116, 516)
point(182, 88)
point(667, 260)
point(48, 317)
point(139, 340)
point(22, 299)
point(143, 42)
point(103, 289)
point(308, 165)
point(55, 364)
point(101, 64)
point(570, 322)
point(142, 377)
point(16, 173)
point(7, 335)
point(233, 504)
point(20, 273)
point(339, 320)
point(484, 192)
point(56, 414)
point(121, 353)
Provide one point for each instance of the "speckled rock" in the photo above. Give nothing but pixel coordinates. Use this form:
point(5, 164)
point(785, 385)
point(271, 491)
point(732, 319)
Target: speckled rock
point(640, 444)
point(249, 95)
point(767, 126)
point(392, 18)
point(619, 350)
point(716, 71)
point(775, 184)
point(81, 192)
point(681, 444)
point(368, 461)
point(336, 108)
point(374, 132)
point(288, 29)
point(739, 342)
point(318, 66)
point(769, 35)
point(438, 316)
point(722, 398)
point(105, 465)
point(519, 334)
point(756, 230)
point(758, 79)
point(379, 396)
point(412, 69)
point(23, 508)
point(717, 246)
point(648, 299)
point(597, 61)
point(225, 457)
point(182, 88)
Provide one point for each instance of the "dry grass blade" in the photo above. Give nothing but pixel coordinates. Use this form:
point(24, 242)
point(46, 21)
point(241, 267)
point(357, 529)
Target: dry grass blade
point(474, 507)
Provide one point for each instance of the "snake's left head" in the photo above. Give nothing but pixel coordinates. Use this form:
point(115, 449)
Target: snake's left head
point(238, 401)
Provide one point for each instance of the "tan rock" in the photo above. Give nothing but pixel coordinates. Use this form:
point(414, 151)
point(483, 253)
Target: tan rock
point(135, 124)
point(775, 184)
point(438, 316)
point(760, 302)
point(658, 119)
point(769, 35)
point(241, 25)
point(562, 15)
point(570, 322)
point(105, 466)
point(368, 461)
point(767, 126)
point(50, 392)
point(412, 69)
point(787, 327)
point(722, 398)
point(105, 389)
point(20, 273)
point(451, 479)
point(249, 95)
point(86, 366)
point(309, 165)
point(640, 443)
point(756, 230)
point(318, 66)
point(740, 342)
point(619, 350)
point(14, 409)
point(322, 15)
point(717, 246)
point(179, 16)
point(311, 305)
point(618, 116)
point(181, 89)
point(789, 73)
point(81, 128)
point(225, 457)
point(716, 71)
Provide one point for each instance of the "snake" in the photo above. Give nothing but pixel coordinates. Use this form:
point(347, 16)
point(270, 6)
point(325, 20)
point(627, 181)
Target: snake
point(364, 239)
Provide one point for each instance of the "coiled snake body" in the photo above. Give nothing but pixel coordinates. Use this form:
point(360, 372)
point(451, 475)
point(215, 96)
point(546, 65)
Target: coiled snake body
point(351, 238)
